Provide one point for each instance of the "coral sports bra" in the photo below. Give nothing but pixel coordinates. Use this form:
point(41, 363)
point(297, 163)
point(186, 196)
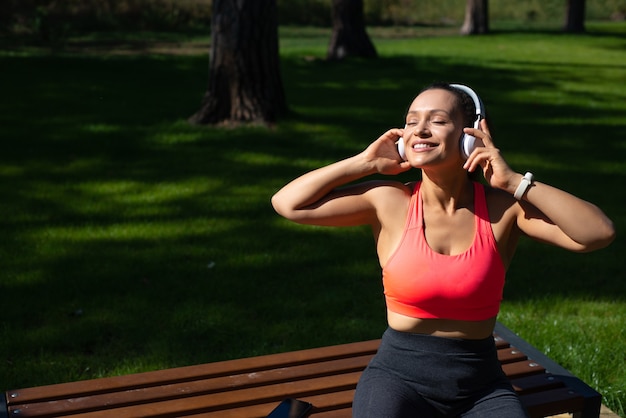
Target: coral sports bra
point(422, 283)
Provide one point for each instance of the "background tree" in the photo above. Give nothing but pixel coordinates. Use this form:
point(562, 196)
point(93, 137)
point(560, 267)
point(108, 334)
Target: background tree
point(245, 85)
point(476, 17)
point(575, 16)
point(349, 37)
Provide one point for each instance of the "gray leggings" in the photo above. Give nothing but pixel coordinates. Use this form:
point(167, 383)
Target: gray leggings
point(421, 376)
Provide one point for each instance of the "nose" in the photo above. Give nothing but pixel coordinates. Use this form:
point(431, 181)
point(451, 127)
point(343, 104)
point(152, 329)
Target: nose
point(421, 129)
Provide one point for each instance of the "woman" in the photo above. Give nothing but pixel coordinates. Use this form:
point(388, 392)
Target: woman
point(444, 244)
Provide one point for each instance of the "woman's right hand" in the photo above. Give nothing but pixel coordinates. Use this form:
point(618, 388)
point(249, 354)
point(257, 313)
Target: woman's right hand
point(383, 153)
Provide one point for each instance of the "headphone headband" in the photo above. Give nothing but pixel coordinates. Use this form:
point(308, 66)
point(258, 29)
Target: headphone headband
point(480, 108)
point(468, 142)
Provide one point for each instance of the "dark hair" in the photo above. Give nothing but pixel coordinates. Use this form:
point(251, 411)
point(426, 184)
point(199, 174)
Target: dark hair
point(467, 104)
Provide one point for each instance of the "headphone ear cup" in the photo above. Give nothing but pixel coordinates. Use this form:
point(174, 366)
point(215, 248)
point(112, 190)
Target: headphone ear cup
point(468, 143)
point(401, 148)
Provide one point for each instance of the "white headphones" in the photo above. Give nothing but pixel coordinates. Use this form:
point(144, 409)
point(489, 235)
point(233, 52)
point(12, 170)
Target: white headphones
point(468, 142)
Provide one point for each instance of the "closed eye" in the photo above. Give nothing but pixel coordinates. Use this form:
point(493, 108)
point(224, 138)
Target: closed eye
point(433, 121)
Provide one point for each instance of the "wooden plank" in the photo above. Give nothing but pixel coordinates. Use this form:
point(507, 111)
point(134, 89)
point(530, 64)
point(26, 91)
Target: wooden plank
point(552, 402)
point(217, 402)
point(536, 383)
point(189, 373)
point(338, 413)
point(510, 355)
point(226, 386)
point(325, 406)
point(500, 342)
point(522, 368)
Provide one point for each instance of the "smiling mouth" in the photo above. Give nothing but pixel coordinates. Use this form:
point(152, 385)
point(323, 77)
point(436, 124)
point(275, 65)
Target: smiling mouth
point(424, 145)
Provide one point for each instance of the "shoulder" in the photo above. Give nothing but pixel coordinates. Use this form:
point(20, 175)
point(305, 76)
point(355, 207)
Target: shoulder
point(385, 187)
point(498, 200)
point(377, 195)
point(390, 198)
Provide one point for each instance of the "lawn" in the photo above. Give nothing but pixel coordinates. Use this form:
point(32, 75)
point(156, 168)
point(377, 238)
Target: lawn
point(133, 241)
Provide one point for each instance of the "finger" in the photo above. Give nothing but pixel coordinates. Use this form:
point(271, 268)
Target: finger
point(483, 136)
point(399, 132)
point(485, 127)
point(470, 163)
point(477, 159)
point(394, 134)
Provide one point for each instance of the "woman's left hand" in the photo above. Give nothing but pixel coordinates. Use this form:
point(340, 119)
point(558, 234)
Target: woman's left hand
point(497, 172)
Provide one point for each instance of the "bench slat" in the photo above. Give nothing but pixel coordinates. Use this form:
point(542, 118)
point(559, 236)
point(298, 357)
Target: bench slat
point(199, 387)
point(252, 411)
point(536, 383)
point(339, 413)
point(553, 402)
point(522, 368)
point(188, 373)
point(510, 355)
point(216, 401)
point(336, 404)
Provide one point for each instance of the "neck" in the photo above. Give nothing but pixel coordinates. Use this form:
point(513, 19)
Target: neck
point(448, 191)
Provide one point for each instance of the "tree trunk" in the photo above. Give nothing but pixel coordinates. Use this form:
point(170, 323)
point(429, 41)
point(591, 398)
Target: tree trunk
point(476, 17)
point(575, 16)
point(245, 84)
point(349, 37)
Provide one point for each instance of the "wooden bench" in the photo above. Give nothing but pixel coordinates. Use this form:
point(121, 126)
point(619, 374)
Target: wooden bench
point(252, 387)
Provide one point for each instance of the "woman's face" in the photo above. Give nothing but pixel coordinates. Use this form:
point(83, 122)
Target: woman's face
point(434, 126)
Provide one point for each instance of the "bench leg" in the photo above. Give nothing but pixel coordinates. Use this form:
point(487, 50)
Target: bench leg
point(591, 409)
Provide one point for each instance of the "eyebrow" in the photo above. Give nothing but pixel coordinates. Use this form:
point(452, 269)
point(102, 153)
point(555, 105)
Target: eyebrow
point(413, 112)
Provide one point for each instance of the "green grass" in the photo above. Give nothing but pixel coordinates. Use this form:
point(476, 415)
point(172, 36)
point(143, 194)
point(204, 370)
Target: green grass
point(132, 241)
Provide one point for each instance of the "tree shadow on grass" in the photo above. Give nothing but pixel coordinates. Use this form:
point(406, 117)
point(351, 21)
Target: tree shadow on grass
point(133, 241)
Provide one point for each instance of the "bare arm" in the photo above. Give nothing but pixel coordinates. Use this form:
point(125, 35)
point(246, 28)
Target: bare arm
point(559, 218)
point(315, 197)
point(546, 213)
